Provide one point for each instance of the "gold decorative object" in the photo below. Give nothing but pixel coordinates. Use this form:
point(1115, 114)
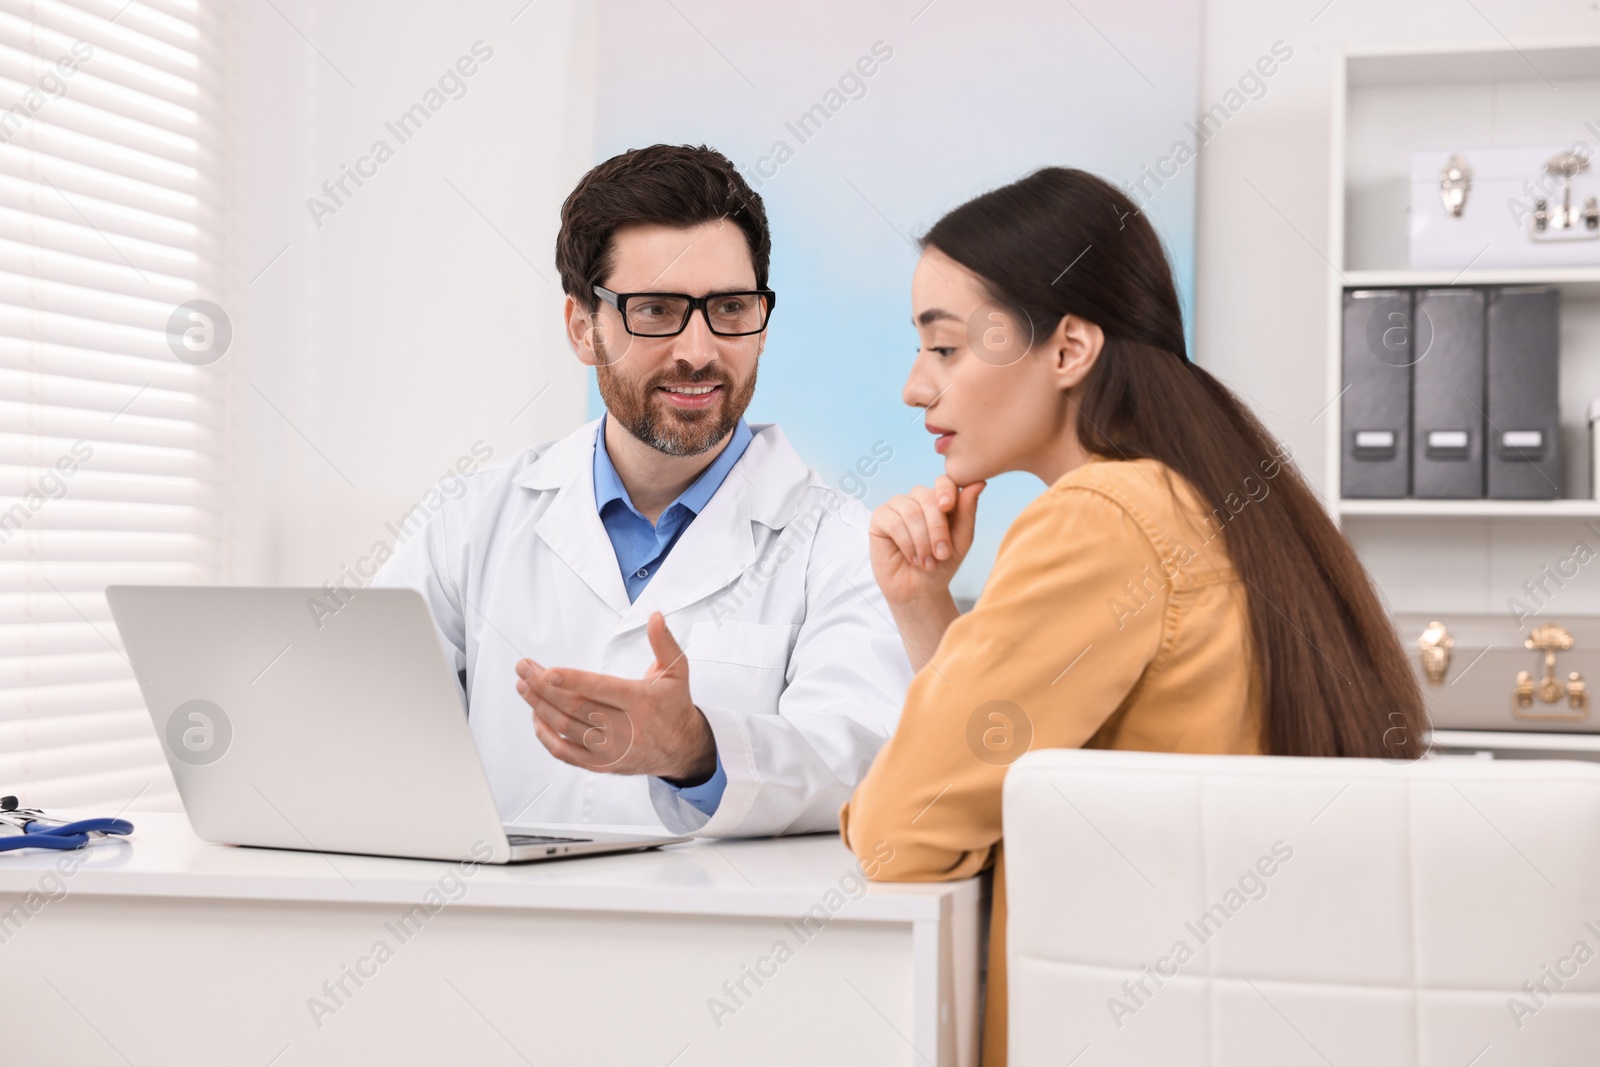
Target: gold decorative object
point(1549, 639)
point(1436, 644)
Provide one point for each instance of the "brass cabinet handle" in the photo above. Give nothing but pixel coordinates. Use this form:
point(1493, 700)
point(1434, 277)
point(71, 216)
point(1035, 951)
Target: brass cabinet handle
point(1549, 639)
point(1435, 645)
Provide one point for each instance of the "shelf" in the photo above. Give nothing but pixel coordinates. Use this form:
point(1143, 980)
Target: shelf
point(1580, 283)
point(1515, 741)
point(1470, 64)
point(1470, 509)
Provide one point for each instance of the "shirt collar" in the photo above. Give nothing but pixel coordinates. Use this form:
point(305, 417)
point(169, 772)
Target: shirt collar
point(608, 483)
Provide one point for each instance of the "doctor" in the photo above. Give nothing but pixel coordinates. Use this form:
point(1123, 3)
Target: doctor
point(665, 615)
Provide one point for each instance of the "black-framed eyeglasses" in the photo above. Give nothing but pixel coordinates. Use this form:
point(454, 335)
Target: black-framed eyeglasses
point(733, 314)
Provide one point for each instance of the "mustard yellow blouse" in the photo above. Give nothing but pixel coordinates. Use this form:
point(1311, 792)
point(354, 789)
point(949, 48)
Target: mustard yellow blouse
point(1113, 618)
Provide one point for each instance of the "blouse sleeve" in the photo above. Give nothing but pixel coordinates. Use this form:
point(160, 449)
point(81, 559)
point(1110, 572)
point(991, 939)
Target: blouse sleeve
point(1070, 618)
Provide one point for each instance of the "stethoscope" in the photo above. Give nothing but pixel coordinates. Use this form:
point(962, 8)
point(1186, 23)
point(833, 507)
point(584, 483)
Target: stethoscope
point(32, 828)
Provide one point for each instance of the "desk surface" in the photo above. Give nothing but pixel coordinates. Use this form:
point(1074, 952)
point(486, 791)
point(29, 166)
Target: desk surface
point(768, 877)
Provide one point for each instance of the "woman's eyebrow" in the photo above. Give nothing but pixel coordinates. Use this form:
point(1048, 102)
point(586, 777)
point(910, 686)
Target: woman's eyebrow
point(933, 315)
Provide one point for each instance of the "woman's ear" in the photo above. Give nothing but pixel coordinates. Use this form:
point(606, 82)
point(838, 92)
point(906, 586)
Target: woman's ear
point(1074, 348)
point(581, 328)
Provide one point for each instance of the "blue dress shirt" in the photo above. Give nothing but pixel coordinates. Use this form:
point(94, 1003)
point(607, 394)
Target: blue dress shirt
point(641, 547)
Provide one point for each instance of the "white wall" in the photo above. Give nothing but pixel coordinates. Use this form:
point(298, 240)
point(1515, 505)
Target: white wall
point(377, 348)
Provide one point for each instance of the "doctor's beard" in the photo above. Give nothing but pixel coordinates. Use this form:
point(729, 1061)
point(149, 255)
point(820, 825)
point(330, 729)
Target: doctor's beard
point(666, 429)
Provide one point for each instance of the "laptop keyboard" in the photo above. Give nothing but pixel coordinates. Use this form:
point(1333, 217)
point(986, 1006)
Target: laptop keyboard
point(536, 839)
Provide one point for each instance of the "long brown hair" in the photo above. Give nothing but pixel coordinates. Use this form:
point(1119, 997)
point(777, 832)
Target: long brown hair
point(1331, 675)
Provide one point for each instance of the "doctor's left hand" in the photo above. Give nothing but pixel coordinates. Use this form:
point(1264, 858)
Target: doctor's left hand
point(622, 725)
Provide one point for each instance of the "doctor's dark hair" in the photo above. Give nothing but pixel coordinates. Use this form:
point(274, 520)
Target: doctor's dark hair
point(670, 185)
point(1330, 675)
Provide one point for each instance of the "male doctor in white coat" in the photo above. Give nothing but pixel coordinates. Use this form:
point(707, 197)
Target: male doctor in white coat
point(665, 615)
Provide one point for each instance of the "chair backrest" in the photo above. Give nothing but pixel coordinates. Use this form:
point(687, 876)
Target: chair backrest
point(1262, 910)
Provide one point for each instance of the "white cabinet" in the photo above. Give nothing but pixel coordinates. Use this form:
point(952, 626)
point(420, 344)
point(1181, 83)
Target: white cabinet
point(1467, 555)
point(1443, 556)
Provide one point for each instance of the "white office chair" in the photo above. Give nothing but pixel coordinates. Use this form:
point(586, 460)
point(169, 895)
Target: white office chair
point(1258, 910)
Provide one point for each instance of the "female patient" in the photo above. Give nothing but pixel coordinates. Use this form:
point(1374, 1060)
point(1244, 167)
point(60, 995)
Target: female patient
point(1175, 588)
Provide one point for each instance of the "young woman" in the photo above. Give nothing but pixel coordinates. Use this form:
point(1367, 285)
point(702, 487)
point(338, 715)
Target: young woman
point(1176, 588)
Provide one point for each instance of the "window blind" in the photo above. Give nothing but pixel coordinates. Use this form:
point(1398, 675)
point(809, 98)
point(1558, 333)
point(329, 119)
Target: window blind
point(108, 441)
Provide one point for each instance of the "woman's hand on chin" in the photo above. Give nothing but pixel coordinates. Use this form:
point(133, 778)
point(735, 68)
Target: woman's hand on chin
point(917, 541)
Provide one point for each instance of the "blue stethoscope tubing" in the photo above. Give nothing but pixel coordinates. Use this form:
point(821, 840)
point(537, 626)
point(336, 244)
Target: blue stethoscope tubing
point(68, 836)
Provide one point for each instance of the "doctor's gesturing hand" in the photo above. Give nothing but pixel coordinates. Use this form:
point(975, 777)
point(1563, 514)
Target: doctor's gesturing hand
point(621, 725)
point(917, 541)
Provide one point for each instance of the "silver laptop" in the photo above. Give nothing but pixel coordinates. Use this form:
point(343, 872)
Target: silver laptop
point(289, 727)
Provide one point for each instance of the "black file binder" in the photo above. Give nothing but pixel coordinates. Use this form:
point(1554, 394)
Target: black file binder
point(1447, 395)
point(1375, 459)
point(1524, 447)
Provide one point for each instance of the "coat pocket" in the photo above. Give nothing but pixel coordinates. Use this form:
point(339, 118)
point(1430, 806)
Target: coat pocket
point(739, 665)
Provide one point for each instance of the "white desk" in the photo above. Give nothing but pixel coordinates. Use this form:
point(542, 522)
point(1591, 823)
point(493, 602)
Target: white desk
point(166, 950)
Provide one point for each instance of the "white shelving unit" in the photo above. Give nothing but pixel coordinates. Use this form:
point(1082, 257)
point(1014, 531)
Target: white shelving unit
point(1464, 556)
point(1388, 104)
point(1510, 745)
point(1470, 509)
point(1576, 283)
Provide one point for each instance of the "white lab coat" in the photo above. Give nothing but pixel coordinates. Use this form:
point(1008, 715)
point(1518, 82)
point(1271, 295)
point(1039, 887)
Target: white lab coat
point(793, 656)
